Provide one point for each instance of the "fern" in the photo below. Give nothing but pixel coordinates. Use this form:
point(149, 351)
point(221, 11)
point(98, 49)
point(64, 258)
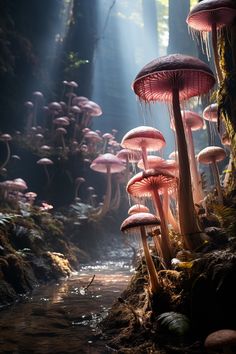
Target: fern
point(227, 217)
point(174, 322)
point(6, 221)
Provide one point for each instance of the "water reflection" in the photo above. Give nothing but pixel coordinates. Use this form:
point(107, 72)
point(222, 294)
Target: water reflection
point(58, 318)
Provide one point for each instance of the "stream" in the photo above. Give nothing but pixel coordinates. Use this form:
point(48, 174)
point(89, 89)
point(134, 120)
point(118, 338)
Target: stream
point(63, 317)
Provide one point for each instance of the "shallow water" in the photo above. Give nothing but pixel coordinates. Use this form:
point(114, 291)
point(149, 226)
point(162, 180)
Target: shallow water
point(63, 317)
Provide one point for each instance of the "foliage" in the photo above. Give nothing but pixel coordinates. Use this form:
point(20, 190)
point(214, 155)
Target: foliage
point(74, 63)
point(226, 216)
point(175, 322)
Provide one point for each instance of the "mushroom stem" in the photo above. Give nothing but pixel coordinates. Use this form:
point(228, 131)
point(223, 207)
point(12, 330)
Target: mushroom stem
point(197, 189)
point(187, 215)
point(150, 265)
point(144, 156)
point(215, 172)
point(115, 203)
point(167, 211)
point(165, 242)
point(8, 155)
point(215, 52)
point(47, 174)
point(106, 204)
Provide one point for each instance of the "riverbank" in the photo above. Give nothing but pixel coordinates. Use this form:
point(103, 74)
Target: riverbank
point(39, 246)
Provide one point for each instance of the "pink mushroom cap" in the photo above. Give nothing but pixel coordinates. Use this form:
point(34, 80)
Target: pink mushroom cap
point(138, 208)
point(107, 161)
point(211, 154)
point(210, 113)
point(151, 138)
point(143, 183)
point(208, 12)
point(45, 161)
point(131, 155)
point(192, 120)
point(155, 82)
point(135, 221)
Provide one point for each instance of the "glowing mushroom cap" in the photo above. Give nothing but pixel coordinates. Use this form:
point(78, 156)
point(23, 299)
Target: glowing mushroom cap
point(192, 120)
point(153, 162)
point(138, 208)
point(5, 137)
point(19, 184)
point(91, 108)
point(106, 162)
point(54, 106)
point(220, 339)
point(135, 221)
point(131, 155)
point(149, 137)
point(92, 136)
point(211, 154)
point(143, 183)
point(208, 12)
point(211, 113)
point(64, 121)
point(155, 82)
point(45, 161)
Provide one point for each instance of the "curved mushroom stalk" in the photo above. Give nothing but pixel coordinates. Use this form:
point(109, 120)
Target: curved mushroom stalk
point(150, 265)
point(168, 212)
point(115, 203)
point(216, 175)
point(5, 138)
point(140, 222)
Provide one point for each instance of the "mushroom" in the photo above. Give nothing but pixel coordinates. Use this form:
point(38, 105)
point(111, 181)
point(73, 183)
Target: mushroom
point(38, 99)
point(78, 182)
point(143, 139)
point(107, 163)
point(171, 166)
point(210, 16)
point(175, 78)
point(138, 208)
point(210, 156)
point(223, 341)
point(45, 162)
point(6, 138)
point(143, 222)
point(128, 156)
point(149, 183)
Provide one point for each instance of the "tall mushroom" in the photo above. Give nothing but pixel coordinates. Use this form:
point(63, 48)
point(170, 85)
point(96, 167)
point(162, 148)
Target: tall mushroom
point(210, 16)
point(107, 163)
point(144, 222)
point(175, 78)
point(45, 162)
point(149, 183)
point(144, 139)
point(210, 156)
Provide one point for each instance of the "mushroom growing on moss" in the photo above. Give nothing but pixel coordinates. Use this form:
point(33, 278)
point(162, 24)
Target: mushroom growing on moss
point(143, 222)
point(175, 78)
